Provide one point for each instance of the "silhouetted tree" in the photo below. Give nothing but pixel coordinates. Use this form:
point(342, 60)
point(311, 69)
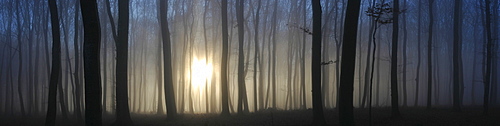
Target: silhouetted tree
point(225, 94)
point(167, 62)
point(346, 116)
point(92, 40)
point(429, 56)
point(318, 116)
point(489, 44)
point(50, 118)
point(242, 94)
point(456, 54)
point(122, 103)
point(394, 61)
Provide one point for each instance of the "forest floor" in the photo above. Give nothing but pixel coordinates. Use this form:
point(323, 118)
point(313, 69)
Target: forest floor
point(381, 116)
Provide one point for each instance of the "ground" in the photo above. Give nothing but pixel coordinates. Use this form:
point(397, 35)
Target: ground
point(381, 116)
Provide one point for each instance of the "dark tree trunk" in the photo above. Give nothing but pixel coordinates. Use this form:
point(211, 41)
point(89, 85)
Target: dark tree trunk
point(489, 44)
point(318, 116)
point(122, 102)
point(456, 55)
point(419, 55)
point(241, 74)
point(224, 84)
point(429, 56)
point(50, 118)
point(346, 116)
point(167, 62)
point(394, 61)
point(92, 39)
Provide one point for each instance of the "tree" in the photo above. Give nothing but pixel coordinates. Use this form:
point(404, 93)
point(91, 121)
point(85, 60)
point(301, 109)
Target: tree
point(256, 57)
point(318, 116)
point(77, 110)
point(225, 94)
point(242, 97)
point(394, 61)
point(50, 118)
point(167, 63)
point(121, 42)
point(92, 39)
point(19, 47)
point(489, 44)
point(429, 56)
point(346, 116)
point(456, 55)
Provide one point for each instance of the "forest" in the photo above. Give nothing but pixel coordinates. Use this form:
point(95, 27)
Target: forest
point(249, 62)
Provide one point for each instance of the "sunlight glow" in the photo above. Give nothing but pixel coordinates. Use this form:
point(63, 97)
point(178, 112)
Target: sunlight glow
point(202, 73)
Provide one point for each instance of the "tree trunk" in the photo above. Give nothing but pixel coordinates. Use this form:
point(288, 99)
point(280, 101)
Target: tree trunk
point(489, 44)
point(456, 50)
point(19, 47)
point(318, 117)
point(241, 57)
point(394, 61)
point(224, 64)
point(77, 93)
point(346, 116)
point(429, 56)
point(419, 55)
point(92, 38)
point(122, 103)
point(50, 118)
point(167, 63)
point(256, 57)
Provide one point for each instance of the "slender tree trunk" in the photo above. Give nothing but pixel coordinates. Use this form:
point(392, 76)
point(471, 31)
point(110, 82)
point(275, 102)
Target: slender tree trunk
point(224, 64)
point(76, 47)
point(456, 50)
point(50, 118)
point(419, 55)
point(394, 61)
point(273, 71)
point(20, 49)
point(429, 56)
point(303, 59)
point(167, 63)
point(489, 44)
point(256, 57)
point(405, 42)
point(160, 107)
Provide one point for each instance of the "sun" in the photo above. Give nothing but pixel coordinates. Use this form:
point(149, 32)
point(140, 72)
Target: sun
point(202, 73)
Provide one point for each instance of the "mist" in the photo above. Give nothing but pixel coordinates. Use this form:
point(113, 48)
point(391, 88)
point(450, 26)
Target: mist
point(246, 59)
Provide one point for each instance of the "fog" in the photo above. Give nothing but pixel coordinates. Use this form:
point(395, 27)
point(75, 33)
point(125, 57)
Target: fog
point(273, 59)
